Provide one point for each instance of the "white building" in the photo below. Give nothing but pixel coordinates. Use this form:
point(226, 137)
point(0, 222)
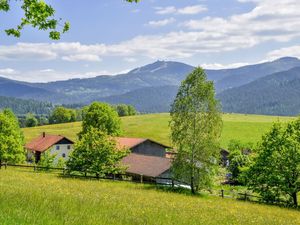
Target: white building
point(58, 145)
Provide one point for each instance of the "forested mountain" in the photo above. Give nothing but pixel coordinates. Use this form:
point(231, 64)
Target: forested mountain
point(276, 94)
point(21, 106)
point(160, 73)
point(236, 77)
point(151, 88)
point(146, 100)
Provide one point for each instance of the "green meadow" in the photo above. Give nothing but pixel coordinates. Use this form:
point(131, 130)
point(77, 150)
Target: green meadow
point(247, 128)
point(33, 198)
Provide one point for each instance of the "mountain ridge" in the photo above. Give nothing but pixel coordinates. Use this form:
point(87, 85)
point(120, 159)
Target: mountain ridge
point(139, 81)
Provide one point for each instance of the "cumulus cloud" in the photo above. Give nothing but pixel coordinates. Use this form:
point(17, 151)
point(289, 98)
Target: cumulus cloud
point(165, 10)
point(130, 60)
point(82, 57)
point(188, 10)
point(191, 10)
point(218, 66)
point(8, 71)
point(293, 51)
point(265, 22)
point(161, 23)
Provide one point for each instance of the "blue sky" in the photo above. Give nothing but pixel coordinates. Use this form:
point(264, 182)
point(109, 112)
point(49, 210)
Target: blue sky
point(112, 36)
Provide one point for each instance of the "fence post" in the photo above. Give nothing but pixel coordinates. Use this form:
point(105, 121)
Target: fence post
point(245, 196)
point(141, 178)
point(34, 168)
point(64, 171)
point(222, 193)
point(172, 183)
point(114, 176)
point(5, 165)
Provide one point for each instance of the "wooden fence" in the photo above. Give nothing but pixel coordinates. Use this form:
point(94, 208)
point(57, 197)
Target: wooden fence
point(137, 178)
point(245, 196)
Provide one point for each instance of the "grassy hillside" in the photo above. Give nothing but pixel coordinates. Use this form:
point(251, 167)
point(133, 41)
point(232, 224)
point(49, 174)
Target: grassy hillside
point(32, 198)
point(155, 126)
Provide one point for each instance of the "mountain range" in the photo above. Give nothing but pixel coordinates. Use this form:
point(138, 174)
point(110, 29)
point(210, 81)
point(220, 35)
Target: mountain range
point(265, 88)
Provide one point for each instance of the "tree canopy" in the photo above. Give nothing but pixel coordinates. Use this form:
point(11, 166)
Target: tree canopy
point(40, 15)
point(195, 130)
point(62, 115)
point(30, 120)
point(11, 138)
point(101, 116)
point(96, 152)
point(275, 173)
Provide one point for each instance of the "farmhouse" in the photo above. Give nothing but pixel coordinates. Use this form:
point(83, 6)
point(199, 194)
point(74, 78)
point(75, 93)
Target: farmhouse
point(56, 144)
point(147, 157)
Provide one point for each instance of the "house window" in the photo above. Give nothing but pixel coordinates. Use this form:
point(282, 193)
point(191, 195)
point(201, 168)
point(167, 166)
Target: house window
point(69, 147)
point(57, 147)
point(64, 155)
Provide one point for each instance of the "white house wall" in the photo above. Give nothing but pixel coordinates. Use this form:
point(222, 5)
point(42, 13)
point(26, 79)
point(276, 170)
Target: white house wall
point(63, 149)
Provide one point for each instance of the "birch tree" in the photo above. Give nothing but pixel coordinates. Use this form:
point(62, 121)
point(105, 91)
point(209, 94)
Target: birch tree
point(195, 130)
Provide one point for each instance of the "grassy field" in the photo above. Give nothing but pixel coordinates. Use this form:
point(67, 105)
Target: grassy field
point(41, 198)
point(247, 128)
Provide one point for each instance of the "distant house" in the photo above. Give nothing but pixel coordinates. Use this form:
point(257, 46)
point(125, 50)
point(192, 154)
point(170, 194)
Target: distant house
point(57, 145)
point(148, 158)
point(143, 146)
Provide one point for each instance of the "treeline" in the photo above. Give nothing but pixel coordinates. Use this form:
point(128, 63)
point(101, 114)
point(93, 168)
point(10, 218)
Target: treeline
point(61, 114)
point(22, 106)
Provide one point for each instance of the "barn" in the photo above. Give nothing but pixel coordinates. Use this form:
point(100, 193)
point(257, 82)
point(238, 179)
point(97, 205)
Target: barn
point(147, 157)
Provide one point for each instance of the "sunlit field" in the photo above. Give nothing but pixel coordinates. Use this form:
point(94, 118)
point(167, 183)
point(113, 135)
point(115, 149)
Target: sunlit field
point(41, 198)
point(247, 128)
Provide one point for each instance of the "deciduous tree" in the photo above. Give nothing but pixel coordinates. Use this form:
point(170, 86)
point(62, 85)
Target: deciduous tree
point(30, 120)
point(96, 152)
point(40, 15)
point(62, 115)
point(102, 117)
point(275, 173)
point(195, 130)
point(11, 138)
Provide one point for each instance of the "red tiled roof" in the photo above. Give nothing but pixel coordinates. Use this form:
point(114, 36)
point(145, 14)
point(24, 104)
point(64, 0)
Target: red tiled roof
point(151, 166)
point(129, 142)
point(44, 142)
point(132, 142)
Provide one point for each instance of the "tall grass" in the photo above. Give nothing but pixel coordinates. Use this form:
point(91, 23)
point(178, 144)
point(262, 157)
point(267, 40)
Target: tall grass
point(41, 198)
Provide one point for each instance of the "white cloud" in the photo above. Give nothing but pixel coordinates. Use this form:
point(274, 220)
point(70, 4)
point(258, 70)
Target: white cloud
point(130, 60)
point(293, 51)
point(46, 70)
point(82, 57)
point(191, 10)
point(26, 51)
point(8, 71)
point(165, 10)
point(188, 10)
point(218, 66)
point(161, 23)
point(265, 22)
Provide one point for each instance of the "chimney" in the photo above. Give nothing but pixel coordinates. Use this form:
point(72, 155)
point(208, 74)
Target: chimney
point(44, 134)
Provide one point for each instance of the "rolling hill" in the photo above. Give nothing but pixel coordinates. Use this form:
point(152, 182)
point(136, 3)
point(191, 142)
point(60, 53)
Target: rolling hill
point(246, 128)
point(278, 93)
